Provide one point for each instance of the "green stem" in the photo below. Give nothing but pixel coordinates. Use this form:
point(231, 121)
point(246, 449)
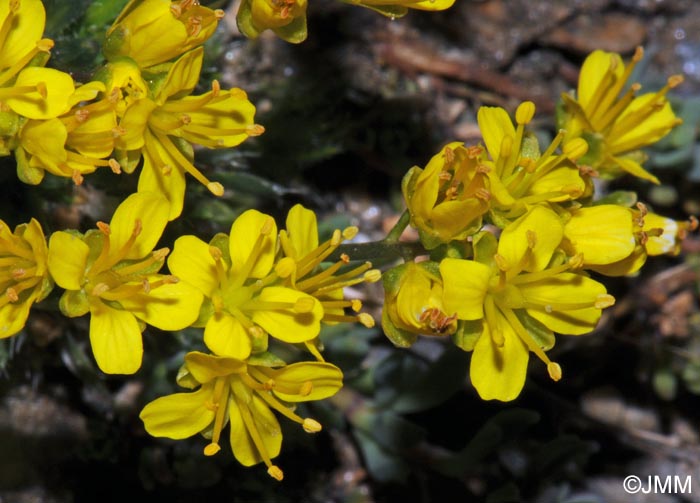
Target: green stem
point(395, 233)
point(380, 251)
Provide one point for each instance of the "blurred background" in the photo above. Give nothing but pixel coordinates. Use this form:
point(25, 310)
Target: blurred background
point(347, 113)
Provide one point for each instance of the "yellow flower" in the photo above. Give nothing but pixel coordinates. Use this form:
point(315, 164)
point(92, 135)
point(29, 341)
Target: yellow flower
point(616, 122)
point(447, 199)
point(413, 303)
point(519, 175)
point(112, 273)
point(518, 299)
point(243, 300)
point(21, 27)
point(162, 129)
point(24, 276)
point(71, 145)
point(244, 395)
point(156, 31)
point(398, 8)
point(301, 266)
point(287, 18)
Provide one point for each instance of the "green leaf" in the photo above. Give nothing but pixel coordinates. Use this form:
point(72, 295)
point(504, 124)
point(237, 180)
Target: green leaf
point(407, 384)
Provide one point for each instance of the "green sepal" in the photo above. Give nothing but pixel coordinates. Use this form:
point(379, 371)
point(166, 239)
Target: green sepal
point(398, 336)
point(113, 43)
point(294, 32)
point(485, 247)
point(266, 359)
point(260, 343)
point(543, 336)
point(468, 332)
point(206, 311)
point(26, 173)
point(626, 198)
point(128, 159)
point(74, 303)
point(185, 379)
point(244, 21)
point(220, 241)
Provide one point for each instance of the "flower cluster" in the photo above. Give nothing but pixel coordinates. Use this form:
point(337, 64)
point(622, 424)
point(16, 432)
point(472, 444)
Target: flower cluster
point(287, 18)
point(514, 232)
point(139, 105)
point(253, 284)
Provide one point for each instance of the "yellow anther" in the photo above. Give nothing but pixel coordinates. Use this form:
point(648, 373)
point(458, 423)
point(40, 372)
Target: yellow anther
point(41, 89)
point(166, 169)
point(304, 305)
point(216, 188)
point(306, 388)
point(449, 156)
point(114, 166)
point(604, 300)
point(255, 130)
point(482, 194)
point(104, 228)
point(99, 289)
point(531, 237)
point(215, 87)
point(215, 253)
point(146, 285)
point(576, 261)
point(161, 253)
point(311, 426)
point(498, 337)
point(45, 44)
point(366, 320)
point(185, 119)
point(275, 472)
point(77, 177)
point(372, 276)
point(350, 232)
point(269, 384)
point(81, 115)
point(554, 371)
point(575, 148)
point(356, 305)
point(256, 332)
point(506, 146)
point(285, 267)
point(211, 449)
point(12, 294)
point(674, 80)
point(267, 226)
point(501, 262)
point(345, 258)
point(336, 238)
point(219, 14)
point(638, 54)
point(525, 112)
point(18, 273)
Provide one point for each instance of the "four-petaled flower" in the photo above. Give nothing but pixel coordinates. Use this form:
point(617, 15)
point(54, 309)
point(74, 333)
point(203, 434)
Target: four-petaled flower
point(244, 395)
point(112, 273)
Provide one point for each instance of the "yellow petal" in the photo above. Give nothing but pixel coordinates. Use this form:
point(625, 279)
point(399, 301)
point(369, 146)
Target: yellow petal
point(151, 209)
point(539, 224)
point(244, 237)
point(224, 335)
point(302, 229)
point(192, 262)
point(634, 168)
point(244, 448)
point(27, 29)
point(494, 124)
point(162, 175)
point(464, 291)
point(59, 87)
point(183, 75)
point(563, 179)
point(603, 233)
point(68, 256)
point(205, 367)
point(172, 306)
point(285, 324)
point(325, 378)
point(594, 69)
point(562, 289)
point(498, 373)
point(180, 415)
point(116, 340)
point(14, 315)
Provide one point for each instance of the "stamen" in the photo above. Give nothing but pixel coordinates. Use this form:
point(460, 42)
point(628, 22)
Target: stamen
point(311, 426)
